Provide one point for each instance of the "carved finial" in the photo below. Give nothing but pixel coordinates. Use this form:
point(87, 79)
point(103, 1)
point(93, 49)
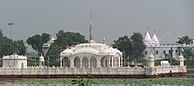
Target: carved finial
point(104, 40)
point(90, 30)
point(91, 36)
point(147, 28)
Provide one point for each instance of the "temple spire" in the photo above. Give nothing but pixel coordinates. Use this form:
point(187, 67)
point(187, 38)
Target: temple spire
point(91, 40)
point(147, 39)
point(155, 39)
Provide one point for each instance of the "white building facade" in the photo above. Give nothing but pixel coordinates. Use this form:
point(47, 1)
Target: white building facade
point(15, 61)
point(160, 51)
point(91, 55)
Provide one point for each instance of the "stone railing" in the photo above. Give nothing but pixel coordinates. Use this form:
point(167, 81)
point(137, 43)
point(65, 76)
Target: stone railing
point(170, 69)
point(107, 71)
point(58, 70)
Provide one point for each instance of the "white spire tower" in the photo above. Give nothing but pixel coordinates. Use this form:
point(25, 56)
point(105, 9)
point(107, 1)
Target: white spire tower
point(155, 39)
point(147, 39)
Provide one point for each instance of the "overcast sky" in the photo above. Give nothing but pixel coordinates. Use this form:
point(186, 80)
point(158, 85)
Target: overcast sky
point(111, 18)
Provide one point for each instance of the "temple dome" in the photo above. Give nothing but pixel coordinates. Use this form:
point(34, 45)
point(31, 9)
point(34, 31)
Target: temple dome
point(106, 51)
point(86, 50)
point(116, 51)
point(67, 52)
point(111, 51)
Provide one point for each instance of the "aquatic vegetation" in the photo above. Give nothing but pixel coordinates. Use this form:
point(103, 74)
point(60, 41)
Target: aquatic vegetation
point(131, 81)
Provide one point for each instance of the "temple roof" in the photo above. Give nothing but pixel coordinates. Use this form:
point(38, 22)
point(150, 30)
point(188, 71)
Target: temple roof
point(91, 48)
point(14, 57)
point(155, 39)
point(147, 39)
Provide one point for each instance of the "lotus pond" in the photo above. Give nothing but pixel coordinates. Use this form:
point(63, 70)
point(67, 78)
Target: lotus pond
point(100, 82)
point(167, 81)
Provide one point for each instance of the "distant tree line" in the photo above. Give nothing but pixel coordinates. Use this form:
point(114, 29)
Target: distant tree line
point(132, 47)
point(9, 46)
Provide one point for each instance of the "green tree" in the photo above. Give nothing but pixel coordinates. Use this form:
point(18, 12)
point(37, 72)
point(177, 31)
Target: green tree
point(124, 45)
point(1, 43)
point(184, 40)
point(20, 47)
point(132, 48)
point(64, 39)
point(9, 46)
point(138, 46)
point(188, 52)
point(37, 41)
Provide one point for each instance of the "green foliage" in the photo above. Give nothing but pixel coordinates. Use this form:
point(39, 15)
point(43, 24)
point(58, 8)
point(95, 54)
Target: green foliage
point(37, 41)
point(81, 82)
point(64, 39)
point(188, 53)
point(189, 64)
point(138, 46)
point(53, 55)
point(184, 40)
point(32, 58)
point(129, 81)
point(9, 46)
point(123, 44)
point(132, 48)
point(20, 47)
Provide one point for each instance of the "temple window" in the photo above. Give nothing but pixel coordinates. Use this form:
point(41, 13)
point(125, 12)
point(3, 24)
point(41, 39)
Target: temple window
point(157, 52)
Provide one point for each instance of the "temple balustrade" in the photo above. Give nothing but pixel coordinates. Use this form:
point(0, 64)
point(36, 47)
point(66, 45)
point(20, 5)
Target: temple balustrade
point(112, 71)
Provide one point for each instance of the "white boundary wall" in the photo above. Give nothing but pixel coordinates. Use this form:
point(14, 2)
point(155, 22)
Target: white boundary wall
point(113, 71)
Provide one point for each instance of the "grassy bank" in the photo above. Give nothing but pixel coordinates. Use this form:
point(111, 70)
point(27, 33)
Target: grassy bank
point(150, 81)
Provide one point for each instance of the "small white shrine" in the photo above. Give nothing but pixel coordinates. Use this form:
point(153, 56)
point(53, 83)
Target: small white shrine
point(15, 61)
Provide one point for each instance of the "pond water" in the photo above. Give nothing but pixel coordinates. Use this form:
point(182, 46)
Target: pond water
point(138, 83)
point(174, 81)
point(10, 84)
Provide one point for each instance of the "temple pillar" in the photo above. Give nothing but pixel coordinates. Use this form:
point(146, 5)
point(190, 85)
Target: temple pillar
point(119, 62)
point(61, 63)
point(88, 62)
point(112, 62)
point(71, 62)
point(81, 62)
point(98, 62)
point(108, 61)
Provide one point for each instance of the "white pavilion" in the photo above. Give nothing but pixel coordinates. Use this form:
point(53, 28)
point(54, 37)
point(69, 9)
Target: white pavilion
point(91, 55)
point(15, 61)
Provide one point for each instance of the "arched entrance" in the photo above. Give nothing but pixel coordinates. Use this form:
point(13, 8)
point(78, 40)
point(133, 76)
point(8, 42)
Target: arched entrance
point(93, 62)
point(104, 62)
point(85, 62)
point(66, 62)
point(77, 62)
